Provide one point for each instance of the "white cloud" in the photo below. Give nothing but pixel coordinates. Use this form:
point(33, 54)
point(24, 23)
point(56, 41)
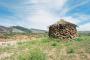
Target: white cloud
point(67, 9)
point(80, 4)
point(42, 13)
point(83, 16)
point(58, 2)
point(85, 27)
point(56, 6)
point(40, 1)
point(41, 19)
point(71, 19)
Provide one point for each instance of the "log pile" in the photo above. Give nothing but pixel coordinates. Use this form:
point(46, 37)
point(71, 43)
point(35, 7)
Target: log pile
point(63, 30)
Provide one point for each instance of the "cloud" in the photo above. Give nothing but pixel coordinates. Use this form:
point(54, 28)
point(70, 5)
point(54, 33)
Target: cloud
point(83, 18)
point(84, 27)
point(80, 4)
point(71, 19)
point(41, 19)
point(68, 9)
point(56, 6)
point(42, 13)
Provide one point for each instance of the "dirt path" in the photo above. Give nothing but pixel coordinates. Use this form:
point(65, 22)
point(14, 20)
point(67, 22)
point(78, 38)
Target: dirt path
point(5, 55)
point(8, 43)
point(12, 42)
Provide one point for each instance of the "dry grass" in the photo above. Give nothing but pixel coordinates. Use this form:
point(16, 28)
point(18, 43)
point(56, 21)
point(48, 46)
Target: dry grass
point(45, 48)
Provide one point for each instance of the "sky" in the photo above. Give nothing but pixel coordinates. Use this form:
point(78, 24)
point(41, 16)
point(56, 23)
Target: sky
point(40, 14)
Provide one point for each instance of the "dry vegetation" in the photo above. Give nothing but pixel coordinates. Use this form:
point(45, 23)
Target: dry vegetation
point(44, 48)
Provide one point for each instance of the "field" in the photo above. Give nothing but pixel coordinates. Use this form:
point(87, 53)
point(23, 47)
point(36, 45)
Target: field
point(45, 48)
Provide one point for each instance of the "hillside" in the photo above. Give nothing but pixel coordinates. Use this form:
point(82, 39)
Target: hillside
point(84, 32)
point(4, 29)
point(37, 31)
point(20, 29)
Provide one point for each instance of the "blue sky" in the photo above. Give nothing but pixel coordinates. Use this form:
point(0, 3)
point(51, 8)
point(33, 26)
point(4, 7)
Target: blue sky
point(42, 13)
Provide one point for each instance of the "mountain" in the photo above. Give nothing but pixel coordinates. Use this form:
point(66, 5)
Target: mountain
point(84, 32)
point(26, 30)
point(20, 29)
point(4, 29)
point(37, 31)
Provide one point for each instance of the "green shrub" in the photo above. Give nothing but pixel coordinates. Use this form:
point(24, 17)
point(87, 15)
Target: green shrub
point(34, 54)
point(70, 50)
point(45, 40)
point(78, 39)
point(54, 44)
point(37, 55)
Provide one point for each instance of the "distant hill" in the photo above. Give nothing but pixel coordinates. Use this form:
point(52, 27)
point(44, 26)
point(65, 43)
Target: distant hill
point(4, 29)
point(37, 30)
point(20, 29)
point(84, 32)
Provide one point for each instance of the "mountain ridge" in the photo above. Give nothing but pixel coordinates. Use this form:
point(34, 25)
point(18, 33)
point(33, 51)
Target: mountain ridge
point(20, 29)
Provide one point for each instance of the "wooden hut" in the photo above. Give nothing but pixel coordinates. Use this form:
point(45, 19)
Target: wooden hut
point(63, 30)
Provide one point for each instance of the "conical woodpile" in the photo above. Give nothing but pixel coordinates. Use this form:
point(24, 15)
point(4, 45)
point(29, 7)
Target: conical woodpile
point(63, 30)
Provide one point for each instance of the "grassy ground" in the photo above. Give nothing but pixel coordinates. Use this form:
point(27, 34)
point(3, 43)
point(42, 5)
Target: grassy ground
point(48, 49)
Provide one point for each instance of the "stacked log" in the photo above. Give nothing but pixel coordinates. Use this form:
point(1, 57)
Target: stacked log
point(65, 30)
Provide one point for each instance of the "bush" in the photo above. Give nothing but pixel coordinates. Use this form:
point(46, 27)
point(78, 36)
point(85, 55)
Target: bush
point(34, 54)
point(54, 44)
point(70, 50)
point(78, 39)
point(37, 55)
